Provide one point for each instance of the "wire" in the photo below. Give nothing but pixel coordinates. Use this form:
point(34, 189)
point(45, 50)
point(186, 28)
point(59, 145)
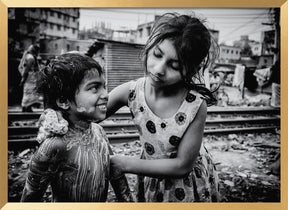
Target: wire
point(232, 38)
point(241, 26)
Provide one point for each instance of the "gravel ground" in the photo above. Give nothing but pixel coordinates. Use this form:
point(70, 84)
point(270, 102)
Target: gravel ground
point(243, 162)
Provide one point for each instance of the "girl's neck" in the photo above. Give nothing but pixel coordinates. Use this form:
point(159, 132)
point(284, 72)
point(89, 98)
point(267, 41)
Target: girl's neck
point(171, 90)
point(79, 124)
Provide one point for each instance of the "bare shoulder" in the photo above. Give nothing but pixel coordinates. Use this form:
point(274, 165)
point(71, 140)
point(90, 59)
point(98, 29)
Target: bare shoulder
point(202, 112)
point(123, 89)
point(118, 98)
point(203, 108)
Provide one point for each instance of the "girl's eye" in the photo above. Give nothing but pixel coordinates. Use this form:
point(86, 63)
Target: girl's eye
point(175, 67)
point(157, 54)
point(94, 88)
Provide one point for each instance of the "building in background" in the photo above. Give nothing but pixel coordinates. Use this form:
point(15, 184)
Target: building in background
point(228, 53)
point(268, 39)
point(55, 30)
point(256, 48)
point(121, 60)
point(144, 31)
point(266, 46)
point(59, 46)
point(100, 30)
point(32, 25)
point(124, 35)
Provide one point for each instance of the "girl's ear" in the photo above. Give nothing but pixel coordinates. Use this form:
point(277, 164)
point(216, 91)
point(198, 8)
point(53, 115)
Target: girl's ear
point(63, 103)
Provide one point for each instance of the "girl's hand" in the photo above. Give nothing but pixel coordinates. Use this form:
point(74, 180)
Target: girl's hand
point(116, 166)
point(118, 180)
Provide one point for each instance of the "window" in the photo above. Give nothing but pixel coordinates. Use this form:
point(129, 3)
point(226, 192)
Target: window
point(56, 46)
point(59, 15)
point(232, 52)
point(51, 13)
point(148, 30)
point(77, 48)
point(68, 47)
point(227, 51)
point(59, 27)
point(51, 25)
point(140, 32)
point(73, 30)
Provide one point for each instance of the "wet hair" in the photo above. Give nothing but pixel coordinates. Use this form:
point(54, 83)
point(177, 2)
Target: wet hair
point(61, 77)
point(194, 45)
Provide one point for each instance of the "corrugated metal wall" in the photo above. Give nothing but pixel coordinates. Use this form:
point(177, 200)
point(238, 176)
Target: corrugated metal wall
point(123, 63)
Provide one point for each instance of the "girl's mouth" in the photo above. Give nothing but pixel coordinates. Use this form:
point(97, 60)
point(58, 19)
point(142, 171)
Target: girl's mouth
point(102, 107)
point(155, 78)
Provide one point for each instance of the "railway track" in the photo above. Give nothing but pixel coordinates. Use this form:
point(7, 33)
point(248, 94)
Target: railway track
point(23, 128)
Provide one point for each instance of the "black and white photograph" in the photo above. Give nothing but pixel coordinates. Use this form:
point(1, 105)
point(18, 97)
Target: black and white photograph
point(144, 104)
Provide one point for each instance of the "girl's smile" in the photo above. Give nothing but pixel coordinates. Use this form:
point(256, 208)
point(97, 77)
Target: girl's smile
point(102, 107)
point(90, 99)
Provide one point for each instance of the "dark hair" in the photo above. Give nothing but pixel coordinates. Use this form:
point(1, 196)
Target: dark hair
point(192, 41)
point(61, 77)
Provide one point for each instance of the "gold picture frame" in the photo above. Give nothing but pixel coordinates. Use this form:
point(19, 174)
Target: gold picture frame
point(5, 4)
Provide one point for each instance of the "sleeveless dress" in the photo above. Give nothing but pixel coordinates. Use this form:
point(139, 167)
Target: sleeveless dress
point(160, 139)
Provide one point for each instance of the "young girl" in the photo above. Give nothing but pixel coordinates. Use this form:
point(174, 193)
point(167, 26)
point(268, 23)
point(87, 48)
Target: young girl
point(169, 109)
point(73, 155)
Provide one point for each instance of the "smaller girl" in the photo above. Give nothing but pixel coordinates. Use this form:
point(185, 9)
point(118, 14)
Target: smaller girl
point(169, 108)
point(73, 156)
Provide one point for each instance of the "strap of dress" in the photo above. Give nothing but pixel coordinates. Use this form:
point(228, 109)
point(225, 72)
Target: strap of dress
point(192, 106)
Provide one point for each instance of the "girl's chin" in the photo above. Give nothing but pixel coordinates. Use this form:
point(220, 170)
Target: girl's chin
point(100, 118)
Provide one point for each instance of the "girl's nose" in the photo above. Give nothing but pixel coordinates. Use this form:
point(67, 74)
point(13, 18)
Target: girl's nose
point(104, 94)
point(159, 68)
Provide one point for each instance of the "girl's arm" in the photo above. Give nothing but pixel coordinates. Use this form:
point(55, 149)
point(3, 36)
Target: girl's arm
point(118, 98)
point(188, 151)
point(43, 166)
point(118, 180)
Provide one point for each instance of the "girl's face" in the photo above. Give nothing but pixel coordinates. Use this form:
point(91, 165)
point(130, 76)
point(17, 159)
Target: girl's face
point(163, 67)
point(90, 99)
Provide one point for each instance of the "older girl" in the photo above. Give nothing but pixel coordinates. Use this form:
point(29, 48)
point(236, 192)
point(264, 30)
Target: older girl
point(169, 109)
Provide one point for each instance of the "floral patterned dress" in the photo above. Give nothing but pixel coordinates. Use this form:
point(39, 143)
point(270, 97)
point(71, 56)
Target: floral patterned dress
point(160, 139)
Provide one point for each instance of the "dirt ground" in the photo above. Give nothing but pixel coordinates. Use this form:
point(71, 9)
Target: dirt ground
point(243, 163)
